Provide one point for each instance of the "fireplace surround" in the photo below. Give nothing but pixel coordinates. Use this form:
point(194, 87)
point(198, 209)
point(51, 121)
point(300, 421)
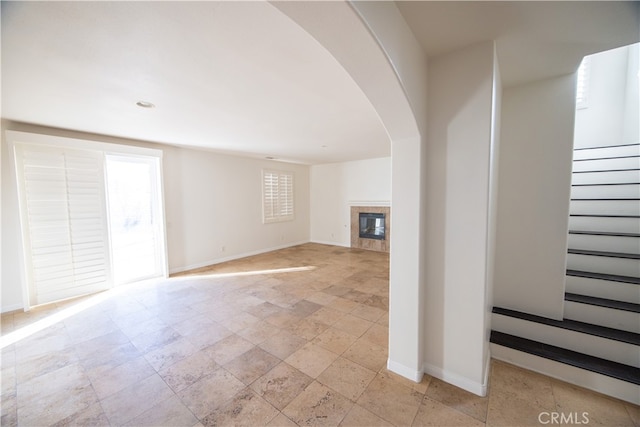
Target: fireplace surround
point(375, 221)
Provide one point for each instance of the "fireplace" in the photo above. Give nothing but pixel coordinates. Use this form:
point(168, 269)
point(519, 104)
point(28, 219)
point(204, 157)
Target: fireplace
point(371, 225)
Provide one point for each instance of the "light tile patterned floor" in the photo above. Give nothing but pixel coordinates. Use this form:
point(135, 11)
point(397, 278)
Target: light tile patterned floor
point(293, 337)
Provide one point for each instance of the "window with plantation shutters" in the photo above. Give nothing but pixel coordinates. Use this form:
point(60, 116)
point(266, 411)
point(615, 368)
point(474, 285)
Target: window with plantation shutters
point(582, 89)
point(62, 203)
point(277, 196)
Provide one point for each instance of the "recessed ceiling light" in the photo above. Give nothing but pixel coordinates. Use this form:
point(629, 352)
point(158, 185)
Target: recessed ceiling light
point(145, 104)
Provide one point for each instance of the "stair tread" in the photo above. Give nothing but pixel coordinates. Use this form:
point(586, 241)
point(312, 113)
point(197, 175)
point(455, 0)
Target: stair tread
point(608, 170)
point(603, 253)
point(602, 302)
point(591, 363)
point(604, 276)
point(604, 233)
point(574, 325)
point(629, 156)
point(597, 184)
point(606, 146)
point(604, 216)
point(605, 199)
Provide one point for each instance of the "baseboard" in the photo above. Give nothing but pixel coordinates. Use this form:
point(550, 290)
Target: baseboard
point(234, 257)
point(322, 242)
point(590, 380)
point(404, 371)
point(14, 307)
point(458, 380)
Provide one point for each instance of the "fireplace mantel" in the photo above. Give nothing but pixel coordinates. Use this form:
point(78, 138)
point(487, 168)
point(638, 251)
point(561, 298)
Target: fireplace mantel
point(370, 244)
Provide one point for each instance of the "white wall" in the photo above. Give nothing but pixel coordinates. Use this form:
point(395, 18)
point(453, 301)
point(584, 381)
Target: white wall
point(533, 201)
point(211, 201)
point(338, 186)
point(459, 215)
point(631, 120)
point(603, 121)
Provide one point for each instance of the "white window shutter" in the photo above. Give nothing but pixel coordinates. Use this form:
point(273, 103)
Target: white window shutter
point(62, 206)
point(277, 191)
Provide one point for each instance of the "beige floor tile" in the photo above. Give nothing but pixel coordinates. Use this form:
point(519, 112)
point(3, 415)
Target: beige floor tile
point(281, 385)
point(321, 298)
point(91, 416)
point(189, 370)
point(27, 369)
point(228, 349)
point(305, 308)
point(283, 344)
point(372, 314)
point(347, 378)
point(56, 395)
point(8, 410)
point(432, 413)
point(245, 409)
point(353, 325)
point(210, 392)
point(456, 398)
point(584, 404)
point(518, 396)
point(342, 304)
point(311, 359)
point(378, 335)
point(634, 413)
point(147, 342)
point(136, 399)
point(282, 319)
point(391, 400)
point(318, 405)
point(307, 328)
point(367, 354)
point(326, 315)
point(170, 353)
point(335, 340)
point(259, 332)
point(107, 381)
point(251, 365)
point(360, 417)
point(264, 310)
point(281, 421)
point(169, 412)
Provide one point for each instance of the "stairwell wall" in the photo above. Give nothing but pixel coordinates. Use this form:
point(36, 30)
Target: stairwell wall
point(534, 189)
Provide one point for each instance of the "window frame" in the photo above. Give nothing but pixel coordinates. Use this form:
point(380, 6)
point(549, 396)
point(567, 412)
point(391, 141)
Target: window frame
point(278, 196)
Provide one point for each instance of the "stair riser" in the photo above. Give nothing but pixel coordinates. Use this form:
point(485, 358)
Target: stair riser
point(617, 319)
point(594, 153)
point(604, 348)
point(605, 207)
point(607, 164)
point(581, 377)
point(624, 244)
point(603, 289)
point(617, 225)
point(606, 177)
point(630, 191)
point(605, 265)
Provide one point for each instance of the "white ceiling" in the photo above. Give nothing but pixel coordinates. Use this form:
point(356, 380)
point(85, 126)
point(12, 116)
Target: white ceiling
point(240, 77)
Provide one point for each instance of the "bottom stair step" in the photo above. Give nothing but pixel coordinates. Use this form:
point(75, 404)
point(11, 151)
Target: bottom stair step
point(595, 364)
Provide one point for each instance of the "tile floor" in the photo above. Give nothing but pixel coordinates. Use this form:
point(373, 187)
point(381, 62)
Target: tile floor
point(293, 337)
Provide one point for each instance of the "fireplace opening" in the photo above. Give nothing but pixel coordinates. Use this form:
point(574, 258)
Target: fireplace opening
point(372, 226)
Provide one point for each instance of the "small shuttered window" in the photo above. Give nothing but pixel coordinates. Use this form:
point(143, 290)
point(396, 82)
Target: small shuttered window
point(582, 89)
point(277, 196)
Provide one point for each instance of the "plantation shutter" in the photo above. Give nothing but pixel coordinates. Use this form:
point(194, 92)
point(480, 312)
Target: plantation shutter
point(277, 193)
point(63, 206)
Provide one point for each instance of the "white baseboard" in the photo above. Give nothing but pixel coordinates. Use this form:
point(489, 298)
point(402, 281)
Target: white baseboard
point(593, 381)
point(404, 371)
point(234, 257)
point(322, 242)
point(13, 307)
point(458, 380)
